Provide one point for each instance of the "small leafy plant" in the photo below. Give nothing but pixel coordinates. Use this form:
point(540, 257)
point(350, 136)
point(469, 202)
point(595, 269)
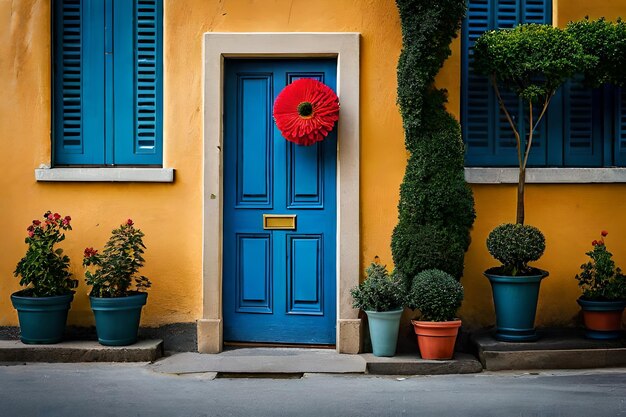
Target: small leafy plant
point(380, 291)
point(515, 245)
point(118, 265)
point(44, 270)
point(600, 279)
point(436, 294)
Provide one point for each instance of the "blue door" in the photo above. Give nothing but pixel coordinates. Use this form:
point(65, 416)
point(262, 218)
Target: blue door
point(279, 253)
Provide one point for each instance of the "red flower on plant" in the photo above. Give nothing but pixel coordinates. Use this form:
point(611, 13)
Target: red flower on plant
point(57, 216)
point(31, 233)
point(129, 222)
point(89, 252)
point(306, 111)
point(604, 233)
point(594, 243)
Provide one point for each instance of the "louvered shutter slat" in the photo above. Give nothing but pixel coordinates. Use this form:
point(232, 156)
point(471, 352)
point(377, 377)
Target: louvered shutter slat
point(68, 132)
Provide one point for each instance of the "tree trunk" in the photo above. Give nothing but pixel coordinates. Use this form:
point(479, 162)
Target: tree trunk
point(520, 195)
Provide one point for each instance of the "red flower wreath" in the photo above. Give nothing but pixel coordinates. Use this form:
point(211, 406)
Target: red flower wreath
point(306, 111)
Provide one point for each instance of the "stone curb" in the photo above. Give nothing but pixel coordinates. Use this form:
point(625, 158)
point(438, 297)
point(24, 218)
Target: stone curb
point(462, 363)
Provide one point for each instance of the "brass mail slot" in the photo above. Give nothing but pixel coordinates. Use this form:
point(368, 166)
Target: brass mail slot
point(279, 221)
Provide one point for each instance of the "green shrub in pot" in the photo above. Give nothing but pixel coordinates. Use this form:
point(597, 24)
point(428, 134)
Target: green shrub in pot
point(381, 296)
point(115, 302)
point(438, 296)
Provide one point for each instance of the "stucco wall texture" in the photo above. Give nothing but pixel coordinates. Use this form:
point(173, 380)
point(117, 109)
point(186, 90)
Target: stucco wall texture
point(171, 214)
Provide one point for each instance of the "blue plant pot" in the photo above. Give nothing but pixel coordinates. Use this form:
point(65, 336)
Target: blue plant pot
point(384, 327)
point(603, 319)
point(42, 319)
point(515, 301)
point(117, 319)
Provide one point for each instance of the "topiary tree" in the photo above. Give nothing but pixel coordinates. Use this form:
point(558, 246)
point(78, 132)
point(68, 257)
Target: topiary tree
point(533, 61)
point(436, 209)
point(606, 42)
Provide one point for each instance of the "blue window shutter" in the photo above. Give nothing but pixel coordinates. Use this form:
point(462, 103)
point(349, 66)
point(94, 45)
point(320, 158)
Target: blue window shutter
point(620, 127)
point(489, 140)
point(138, 82)
point(78, 82)
point(478, 111)
point(537, 11)
point(582, 129)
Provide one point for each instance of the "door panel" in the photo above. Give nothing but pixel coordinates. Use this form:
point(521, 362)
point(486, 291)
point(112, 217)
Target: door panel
point(278, 285)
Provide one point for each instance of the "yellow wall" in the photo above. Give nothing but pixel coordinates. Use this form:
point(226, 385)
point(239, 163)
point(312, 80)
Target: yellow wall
point(171, 214)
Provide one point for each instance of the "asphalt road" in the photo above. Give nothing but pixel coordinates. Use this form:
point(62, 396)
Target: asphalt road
point(134, 390)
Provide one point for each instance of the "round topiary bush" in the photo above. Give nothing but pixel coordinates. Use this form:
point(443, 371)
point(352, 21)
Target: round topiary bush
point(436, 294)
point(380, 291)
point(515, 245)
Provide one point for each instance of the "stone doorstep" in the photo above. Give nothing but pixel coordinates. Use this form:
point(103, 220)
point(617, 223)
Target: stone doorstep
point(262, 361)
point(556, 349)
point(80, 351)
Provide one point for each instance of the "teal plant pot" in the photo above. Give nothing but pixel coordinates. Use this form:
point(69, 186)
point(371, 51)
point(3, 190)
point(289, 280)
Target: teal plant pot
point(515, 302)
point(117, 319)
point(384, 327)
point(42, 319)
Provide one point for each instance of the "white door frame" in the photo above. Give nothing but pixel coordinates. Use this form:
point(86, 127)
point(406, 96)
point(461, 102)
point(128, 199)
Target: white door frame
point(343, 46)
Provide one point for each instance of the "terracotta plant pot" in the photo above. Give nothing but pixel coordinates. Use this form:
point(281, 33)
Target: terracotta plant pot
point(436, 339)
point(603, 319)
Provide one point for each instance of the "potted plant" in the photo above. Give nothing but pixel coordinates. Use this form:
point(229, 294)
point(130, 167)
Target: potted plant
point(515, 284)
point(438, 296)
point(604, 293)
point(43, 305)
point(380, 295)
point(532, 61)
point(116, 305)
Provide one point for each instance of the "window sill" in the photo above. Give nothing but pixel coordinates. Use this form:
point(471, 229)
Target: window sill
point(105, 174)
point(546, 175)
